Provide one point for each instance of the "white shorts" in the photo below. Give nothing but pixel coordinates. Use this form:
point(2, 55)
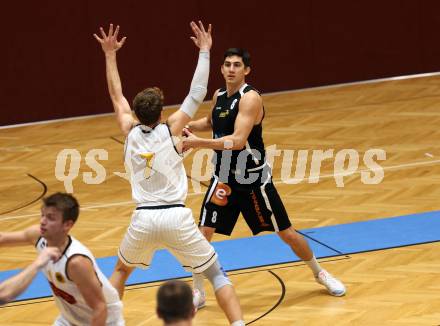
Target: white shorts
point(114, 316)
point(170, 228)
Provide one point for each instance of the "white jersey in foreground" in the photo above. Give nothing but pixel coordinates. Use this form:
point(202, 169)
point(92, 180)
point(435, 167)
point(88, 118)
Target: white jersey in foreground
point(157, 174)
point(74, 310)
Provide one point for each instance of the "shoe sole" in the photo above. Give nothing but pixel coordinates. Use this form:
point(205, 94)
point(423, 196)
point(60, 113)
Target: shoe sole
point(337, 294)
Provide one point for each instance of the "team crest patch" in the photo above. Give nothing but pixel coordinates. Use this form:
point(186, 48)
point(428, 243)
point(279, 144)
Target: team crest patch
point(59, 277)
point(223, 114)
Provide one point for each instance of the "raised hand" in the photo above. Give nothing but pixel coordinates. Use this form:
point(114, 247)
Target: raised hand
point(109, 42)
point(48, 254)
point(202, 38)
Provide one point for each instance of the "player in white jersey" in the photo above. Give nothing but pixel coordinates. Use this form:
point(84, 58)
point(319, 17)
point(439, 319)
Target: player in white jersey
point(157, 174)
point(158, 178)
point(14, 286)
point(82, 293)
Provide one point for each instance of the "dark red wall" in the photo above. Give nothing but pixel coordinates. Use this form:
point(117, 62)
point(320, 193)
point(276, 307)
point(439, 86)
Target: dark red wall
point(53, 67)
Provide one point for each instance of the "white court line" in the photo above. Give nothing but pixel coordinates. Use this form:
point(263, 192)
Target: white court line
point(123, 203)
point(306, 89)
point(90, 116)
point(13, 168)
point(392, 167)
point(19, 216)
point(370, 81)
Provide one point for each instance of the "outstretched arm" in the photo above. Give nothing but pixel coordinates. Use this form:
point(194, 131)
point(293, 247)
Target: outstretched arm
point(14, 286)
point(110, 45)
point(250, 107)
point(205, 123)
point(28, 236)
point(203, 40)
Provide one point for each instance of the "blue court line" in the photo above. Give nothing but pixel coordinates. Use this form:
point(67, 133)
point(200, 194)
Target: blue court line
point(268, 249)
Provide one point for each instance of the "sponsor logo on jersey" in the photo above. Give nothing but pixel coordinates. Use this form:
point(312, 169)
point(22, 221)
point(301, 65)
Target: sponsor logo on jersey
point(223, 114)
point(221, 193)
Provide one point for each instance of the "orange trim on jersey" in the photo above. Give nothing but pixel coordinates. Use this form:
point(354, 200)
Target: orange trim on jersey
point(258, 210)
point(62, 294)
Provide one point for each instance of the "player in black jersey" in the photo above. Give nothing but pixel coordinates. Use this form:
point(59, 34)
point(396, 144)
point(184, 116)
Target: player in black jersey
point(242, 181)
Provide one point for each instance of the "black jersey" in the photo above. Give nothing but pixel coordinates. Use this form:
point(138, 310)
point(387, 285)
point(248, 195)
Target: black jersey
point(235, 165)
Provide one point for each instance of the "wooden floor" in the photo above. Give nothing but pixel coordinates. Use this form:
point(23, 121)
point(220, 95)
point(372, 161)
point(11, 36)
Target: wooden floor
point(389, 287)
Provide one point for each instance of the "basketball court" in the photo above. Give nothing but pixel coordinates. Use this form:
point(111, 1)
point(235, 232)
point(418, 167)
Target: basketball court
point(375, 227)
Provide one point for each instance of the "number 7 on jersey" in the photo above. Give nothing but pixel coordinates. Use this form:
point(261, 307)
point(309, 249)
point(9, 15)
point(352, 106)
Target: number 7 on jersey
point(149, 160)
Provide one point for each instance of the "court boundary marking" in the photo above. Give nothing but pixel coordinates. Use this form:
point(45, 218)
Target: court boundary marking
point(32, 201)
point(305, 89)
point(156, 284)
point(248, 270)
point(275, 181)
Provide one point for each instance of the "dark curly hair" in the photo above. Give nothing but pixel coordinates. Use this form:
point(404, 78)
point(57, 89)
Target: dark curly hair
point(65, 203)
point(148, 105)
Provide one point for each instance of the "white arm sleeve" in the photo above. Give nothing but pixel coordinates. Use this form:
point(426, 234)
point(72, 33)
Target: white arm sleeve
point(199, 85)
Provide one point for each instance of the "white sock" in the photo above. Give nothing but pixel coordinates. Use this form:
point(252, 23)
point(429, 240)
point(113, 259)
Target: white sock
point(238, 323)
point(314, 265)
point(198, 282)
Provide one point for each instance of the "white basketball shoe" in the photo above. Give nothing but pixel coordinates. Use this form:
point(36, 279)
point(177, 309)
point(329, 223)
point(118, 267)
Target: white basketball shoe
point(199, 299)
point(333, 285)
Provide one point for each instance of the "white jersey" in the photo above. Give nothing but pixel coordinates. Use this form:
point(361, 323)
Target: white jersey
point(67, 296)
point(157, 174)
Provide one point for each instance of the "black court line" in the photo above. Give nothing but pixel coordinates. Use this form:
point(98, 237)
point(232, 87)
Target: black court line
point(279, 279)
point(352, 107)
point(321, 243)
point(189, 177)
point(365, 251)
point(394, 247)
point(117, 140)
point(247, 270)
point(32, 201)
point(25, 303)
point(144, 285)
point(137, 286)
point(276, 267)
point(280, 299)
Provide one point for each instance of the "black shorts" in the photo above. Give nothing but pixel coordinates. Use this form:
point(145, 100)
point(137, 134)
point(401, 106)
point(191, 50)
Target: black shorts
point(261, 207)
